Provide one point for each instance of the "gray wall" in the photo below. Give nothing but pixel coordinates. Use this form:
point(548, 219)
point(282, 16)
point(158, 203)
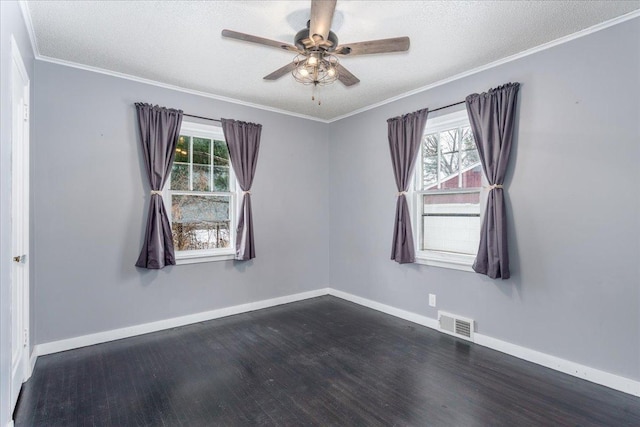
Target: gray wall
point(574, 227)
point(571, 190)
point(11, 23)
point(91, 201)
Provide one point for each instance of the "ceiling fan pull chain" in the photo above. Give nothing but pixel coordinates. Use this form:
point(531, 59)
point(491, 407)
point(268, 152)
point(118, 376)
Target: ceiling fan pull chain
point(315, 93)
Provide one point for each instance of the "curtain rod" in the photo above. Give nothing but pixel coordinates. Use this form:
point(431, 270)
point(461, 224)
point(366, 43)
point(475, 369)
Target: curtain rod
point(219, 121)
point(447, 106)
point(203, 118)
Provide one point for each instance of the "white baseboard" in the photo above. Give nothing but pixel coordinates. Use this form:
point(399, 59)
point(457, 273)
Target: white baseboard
point(403, 314)
point(32, 360)
point(613, 381)
point(145, 328)
point(606, 379)
point(597, 376)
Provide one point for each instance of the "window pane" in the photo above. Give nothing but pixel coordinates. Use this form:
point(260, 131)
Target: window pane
point(430, 145)
point(451, 222)
point(179, 177)
point(201, 177)
point(200, 222)
point(449, 159)
point(468, 154)
point(430, 173)
point(221, 178)
point(182, 149)
point(430, 161)
point(469, 158)
point(451, 234)
point(220, 153)
point(467, 139)
point(472, 178)
point(201, 151)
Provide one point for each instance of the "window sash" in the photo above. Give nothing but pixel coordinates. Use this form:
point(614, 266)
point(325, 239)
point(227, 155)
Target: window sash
point(455, 260)
point(230, 220)
point(421, 214)
point(213, 134)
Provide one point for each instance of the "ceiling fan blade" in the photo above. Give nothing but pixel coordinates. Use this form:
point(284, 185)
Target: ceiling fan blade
point(396, 44)
point(259, 40)
point(321, 17)
point(280, 72)
point(346, 77)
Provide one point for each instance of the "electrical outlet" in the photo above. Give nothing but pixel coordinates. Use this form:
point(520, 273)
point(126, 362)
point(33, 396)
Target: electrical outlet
point(432, 300)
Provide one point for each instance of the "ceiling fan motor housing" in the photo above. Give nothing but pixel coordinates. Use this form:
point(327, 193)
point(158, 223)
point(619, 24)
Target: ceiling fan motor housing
point(304, 42)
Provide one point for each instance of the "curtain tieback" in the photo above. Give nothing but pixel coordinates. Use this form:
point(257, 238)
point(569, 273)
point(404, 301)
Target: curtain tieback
point(400, 193)
point(494, 186)
point(246, 192)
point(156, 192)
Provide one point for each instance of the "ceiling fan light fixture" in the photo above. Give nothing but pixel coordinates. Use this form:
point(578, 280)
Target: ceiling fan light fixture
point(317, 68)
point(313, 60)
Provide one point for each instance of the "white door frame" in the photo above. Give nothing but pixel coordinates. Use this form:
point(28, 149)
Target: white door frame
point(20, 116)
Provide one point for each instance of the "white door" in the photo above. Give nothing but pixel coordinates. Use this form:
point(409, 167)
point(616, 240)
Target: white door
point(19, 223)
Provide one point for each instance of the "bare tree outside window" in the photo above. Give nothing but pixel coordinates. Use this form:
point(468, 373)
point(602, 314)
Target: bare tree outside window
point(447, 154)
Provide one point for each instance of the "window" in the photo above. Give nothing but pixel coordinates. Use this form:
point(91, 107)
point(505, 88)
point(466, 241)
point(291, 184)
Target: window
point(201, 196)
point(449, 178)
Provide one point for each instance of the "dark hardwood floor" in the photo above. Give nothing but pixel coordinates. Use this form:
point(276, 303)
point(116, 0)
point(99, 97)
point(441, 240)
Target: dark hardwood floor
point(323, 361)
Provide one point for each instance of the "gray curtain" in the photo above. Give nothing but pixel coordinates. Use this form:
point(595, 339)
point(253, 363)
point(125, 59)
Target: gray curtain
point(243, 141)
point(492, 118)
point(159, 130)
point(405, 135)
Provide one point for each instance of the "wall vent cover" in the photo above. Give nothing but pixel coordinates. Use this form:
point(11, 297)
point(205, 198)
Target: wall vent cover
point(456, 325)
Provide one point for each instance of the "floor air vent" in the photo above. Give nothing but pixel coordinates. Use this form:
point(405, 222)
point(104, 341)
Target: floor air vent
point(456, 325)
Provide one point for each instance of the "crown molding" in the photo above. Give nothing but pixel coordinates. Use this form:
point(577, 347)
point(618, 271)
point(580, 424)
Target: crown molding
point(590, 30)
point(585, 32)
point(176, 88)
point(26, 16)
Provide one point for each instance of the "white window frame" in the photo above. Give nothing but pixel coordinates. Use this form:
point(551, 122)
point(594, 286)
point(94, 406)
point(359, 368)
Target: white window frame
point(450, 260)
point(212, 132)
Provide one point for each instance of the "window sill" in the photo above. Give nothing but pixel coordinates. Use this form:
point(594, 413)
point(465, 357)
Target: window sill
point(446, 260)
point(182, 259)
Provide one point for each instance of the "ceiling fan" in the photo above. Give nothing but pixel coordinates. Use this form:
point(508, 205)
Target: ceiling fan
point(317, 48)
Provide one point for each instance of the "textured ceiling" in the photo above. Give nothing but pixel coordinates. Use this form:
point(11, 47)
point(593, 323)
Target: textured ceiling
point(179, 42)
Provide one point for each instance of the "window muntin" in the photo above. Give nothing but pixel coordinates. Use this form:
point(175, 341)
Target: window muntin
point(201, 193)
point(448, 182)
